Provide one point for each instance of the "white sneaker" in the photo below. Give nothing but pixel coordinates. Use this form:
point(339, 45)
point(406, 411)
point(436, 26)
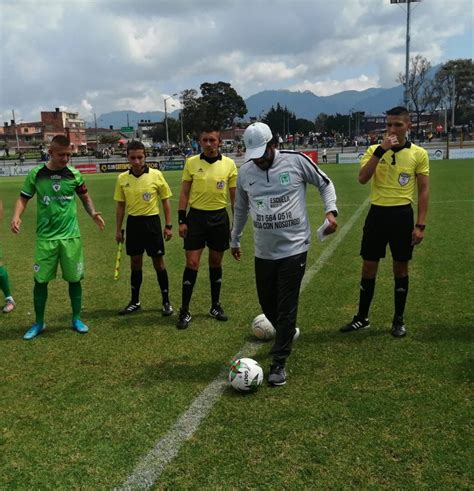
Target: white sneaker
point(9, 306)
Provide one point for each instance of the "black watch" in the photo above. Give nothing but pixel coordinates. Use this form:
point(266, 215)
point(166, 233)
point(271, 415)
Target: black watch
point(420, 226)
point(334, 212)
point(168, 227)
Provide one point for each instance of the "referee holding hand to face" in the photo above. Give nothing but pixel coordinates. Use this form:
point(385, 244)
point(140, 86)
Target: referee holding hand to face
point(208, 180)
point(140, 191)
point(395, 168)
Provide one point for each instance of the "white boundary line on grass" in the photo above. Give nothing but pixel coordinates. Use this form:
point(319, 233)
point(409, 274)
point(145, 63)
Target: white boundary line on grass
point(150, 468)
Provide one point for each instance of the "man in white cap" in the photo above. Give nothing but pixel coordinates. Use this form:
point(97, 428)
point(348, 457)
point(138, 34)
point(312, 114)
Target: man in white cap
point(272, 186)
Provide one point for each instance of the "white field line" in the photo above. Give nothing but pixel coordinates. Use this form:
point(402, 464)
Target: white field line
point(150, 468)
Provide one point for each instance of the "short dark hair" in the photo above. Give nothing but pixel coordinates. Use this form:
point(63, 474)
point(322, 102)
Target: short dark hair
point(209, 128)
point(136, 145)
point(398, 111)
point(61, 141)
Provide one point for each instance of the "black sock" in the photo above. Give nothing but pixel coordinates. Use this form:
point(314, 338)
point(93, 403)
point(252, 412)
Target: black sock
point(367, 287)
point(189, 279)
point(401, 292)
point(215, 277)
point(164, 284)
point(136, 282)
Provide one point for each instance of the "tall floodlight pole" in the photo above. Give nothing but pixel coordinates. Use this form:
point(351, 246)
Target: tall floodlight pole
point(16, 132)
point(166, 119)
point(406, 97)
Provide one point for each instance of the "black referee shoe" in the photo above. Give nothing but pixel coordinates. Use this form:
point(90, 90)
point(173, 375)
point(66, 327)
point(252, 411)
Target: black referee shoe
point(167, 310)
point(184, 319)
point(217, 312)
point(355, 325)
point(130, 308)
point(398, 327)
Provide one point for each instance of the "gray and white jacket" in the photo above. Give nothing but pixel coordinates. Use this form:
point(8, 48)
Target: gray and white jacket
point(276, 200)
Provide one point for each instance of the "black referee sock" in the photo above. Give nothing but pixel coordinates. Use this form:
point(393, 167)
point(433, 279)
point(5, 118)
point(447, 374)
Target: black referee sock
point(401, 293)
point(215, 277)
point(367, 287)
point(189, 279)
point(164, 284)
point(136, 282)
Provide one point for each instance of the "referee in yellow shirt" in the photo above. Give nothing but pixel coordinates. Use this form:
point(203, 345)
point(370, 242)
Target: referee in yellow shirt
point(139, 191)
point(395, 168)
point(208, 180)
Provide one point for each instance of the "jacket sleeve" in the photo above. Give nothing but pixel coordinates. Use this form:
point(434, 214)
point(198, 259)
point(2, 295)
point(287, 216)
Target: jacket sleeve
point(241, 211)
point(314, 175)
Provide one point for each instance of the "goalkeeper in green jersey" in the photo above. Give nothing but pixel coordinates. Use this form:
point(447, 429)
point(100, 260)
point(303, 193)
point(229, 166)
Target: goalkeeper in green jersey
point(58, 239)
point(4, 281)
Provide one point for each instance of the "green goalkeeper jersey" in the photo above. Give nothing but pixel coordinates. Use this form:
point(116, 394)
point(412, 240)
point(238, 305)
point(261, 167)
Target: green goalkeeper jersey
point(56, 190)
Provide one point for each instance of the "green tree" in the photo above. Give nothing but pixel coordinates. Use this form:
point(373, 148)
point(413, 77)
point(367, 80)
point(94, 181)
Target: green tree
point(455, 83)
point(221, 104)
point(422, 91)
point(280, 120)
point(304, 126)
point(107, 139)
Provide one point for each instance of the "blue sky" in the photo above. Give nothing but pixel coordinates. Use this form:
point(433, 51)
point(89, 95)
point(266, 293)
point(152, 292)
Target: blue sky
point(105, 55)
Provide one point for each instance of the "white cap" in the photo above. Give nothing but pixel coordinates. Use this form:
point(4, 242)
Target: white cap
point(256, 137)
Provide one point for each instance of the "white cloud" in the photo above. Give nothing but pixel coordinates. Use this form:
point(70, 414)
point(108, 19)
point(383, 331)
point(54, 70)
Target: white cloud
point(100, 56)
point(329, 87)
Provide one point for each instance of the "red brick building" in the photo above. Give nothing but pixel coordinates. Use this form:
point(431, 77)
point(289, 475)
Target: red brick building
point(64, 123)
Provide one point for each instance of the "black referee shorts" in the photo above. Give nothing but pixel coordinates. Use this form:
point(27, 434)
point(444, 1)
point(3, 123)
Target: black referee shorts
point(144, 234)
point(211, 228)
point(391, 225)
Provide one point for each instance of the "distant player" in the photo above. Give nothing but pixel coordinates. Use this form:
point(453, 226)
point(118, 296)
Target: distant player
point(4, 280)
point(395, 168)
point(208, 181)
point(58, 239)
point(139, 192)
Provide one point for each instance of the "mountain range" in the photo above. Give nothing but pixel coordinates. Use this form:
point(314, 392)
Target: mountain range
point(305, 104)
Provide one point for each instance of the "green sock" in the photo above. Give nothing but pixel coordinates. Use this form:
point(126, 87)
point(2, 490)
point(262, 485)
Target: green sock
point(75, 294)
point(4, 283)
point(40, 295)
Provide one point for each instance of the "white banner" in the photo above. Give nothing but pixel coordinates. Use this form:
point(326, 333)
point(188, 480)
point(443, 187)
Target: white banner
point(349, 158)
point(461, 153)
point(16, 170)
point(435, 154)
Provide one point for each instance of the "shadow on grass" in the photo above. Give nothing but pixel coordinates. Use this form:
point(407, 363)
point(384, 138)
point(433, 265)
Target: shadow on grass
point(336, 337)
point(438, 333)
point(178, 369)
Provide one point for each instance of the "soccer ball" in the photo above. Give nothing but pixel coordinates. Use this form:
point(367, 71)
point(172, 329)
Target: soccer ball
point(245, 375)
point(262, 328)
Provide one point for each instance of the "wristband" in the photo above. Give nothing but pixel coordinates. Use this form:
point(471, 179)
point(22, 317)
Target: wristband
point(420, 226)
point(182, 217)
point(379, 151)
point(168, 226)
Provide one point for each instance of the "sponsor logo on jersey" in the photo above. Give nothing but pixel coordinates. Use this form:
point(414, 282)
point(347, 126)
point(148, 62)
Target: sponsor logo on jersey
point(46, 200)
point(403, 178)
point(285, 178)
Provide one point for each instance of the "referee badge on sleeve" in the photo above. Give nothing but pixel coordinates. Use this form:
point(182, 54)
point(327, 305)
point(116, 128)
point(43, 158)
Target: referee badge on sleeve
point(403, 178)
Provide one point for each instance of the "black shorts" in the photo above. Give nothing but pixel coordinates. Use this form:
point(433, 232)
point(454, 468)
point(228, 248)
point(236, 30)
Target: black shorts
point(391, 225)
point(144, 234)
point(211, 228)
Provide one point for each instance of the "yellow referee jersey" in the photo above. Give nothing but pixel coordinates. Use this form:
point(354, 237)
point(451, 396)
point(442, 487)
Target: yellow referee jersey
point(142, 194)
point(210, 182)
point(394, 179)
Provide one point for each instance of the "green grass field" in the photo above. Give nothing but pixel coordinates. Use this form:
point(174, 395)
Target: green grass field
point(361, 410)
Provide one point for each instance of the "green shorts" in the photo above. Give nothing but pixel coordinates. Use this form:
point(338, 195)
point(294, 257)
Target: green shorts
point(67, 252)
